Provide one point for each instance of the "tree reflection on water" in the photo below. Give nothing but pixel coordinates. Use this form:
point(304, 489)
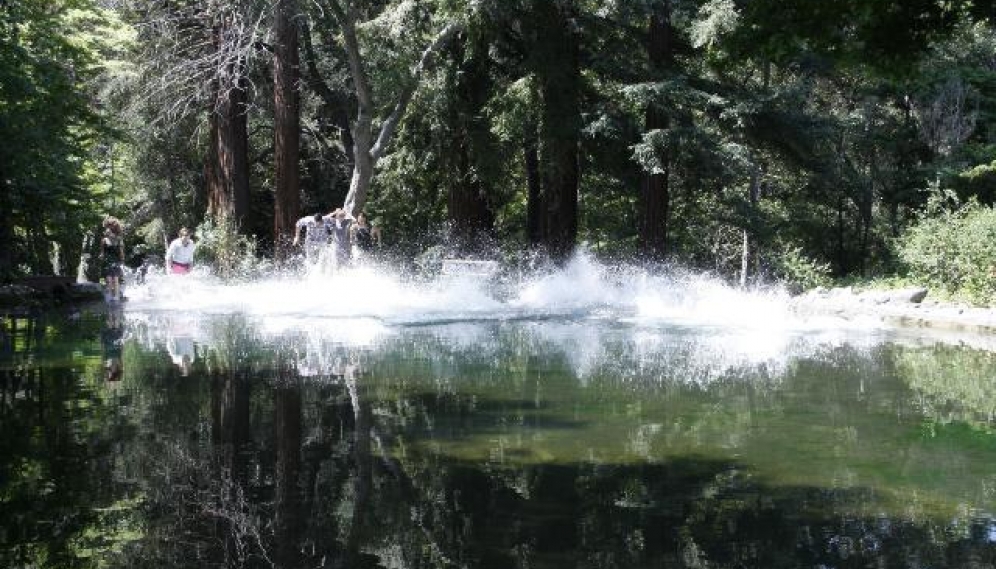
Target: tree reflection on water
point(425, 450)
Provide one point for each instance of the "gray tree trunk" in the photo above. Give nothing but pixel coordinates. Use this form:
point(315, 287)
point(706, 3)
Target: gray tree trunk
point(368, 147)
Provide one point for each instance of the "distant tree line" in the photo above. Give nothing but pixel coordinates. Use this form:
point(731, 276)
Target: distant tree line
point(755, 139)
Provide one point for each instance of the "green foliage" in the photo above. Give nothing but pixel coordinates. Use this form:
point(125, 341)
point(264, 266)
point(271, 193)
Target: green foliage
point(838, 110)
point(800, 272)
point(717, 17)
point(230, 254)
point(954, 248)
point(49, 129)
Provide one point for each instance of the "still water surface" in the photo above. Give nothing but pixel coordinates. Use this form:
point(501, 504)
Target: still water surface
point(585, 420)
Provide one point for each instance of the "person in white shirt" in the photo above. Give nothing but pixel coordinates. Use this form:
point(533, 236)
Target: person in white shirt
point(316, 234)
point(180, 254)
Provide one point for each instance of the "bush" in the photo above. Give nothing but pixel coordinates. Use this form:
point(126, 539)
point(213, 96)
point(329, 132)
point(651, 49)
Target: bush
point(230, 254)
point(799, 272)
point(954, 248)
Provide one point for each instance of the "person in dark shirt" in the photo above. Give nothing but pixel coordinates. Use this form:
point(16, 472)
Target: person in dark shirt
point(365, 236)
point(112, 256)
point(111, 340)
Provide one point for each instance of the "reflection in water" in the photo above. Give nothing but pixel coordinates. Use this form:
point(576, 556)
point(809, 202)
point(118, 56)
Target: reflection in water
point(180, 343)
point(595, 434)
point(111, 340)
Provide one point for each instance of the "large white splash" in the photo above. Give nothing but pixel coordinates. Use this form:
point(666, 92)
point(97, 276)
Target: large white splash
point(582, 289)
point(586, 311)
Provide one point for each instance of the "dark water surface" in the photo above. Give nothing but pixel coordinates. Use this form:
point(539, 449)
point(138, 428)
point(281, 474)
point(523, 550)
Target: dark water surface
point(519, 443)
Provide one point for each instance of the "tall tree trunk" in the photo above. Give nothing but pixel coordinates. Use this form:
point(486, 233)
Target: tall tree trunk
point(286, 128)
point(655, 192)
point(749, 255)
point(468, 207)
point(228, 158)
point(227, 163)
point(558, 71)
point(6, 230)
point(843, 264)
point(866, 200)
point(530, 154)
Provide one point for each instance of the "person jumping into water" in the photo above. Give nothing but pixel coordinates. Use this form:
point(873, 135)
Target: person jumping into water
point(180, 254)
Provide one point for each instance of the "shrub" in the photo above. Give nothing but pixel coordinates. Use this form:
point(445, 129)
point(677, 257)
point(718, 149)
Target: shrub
point(799, 272)
point(954, 248)
point(230, 254)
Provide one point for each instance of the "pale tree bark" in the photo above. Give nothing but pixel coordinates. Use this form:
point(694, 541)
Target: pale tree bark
point(750, 258)
point(369, 146)
point(362, 484)
point(287, 125)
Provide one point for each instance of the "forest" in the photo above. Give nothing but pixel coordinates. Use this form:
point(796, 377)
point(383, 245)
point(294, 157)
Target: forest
point(763, 141)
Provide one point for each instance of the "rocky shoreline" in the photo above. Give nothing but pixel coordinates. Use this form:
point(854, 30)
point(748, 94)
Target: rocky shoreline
point(44, 292)
point(910, 307)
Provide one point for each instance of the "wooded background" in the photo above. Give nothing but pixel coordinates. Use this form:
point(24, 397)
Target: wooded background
point(759, 139)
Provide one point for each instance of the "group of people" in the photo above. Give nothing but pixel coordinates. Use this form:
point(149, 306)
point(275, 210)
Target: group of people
point(179, 256)
point(349, 236)
point(343, 231)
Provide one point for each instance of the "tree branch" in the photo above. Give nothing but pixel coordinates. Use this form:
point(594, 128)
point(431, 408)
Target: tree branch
point(314, 78)
point(356, 69)
point(391, 123)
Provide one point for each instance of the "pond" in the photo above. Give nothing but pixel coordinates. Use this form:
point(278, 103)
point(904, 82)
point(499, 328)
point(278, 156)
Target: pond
point(584, 418)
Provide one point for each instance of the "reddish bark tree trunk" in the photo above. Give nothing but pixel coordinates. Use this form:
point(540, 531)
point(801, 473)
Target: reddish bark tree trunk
point(227, 162)
point(287, 118)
